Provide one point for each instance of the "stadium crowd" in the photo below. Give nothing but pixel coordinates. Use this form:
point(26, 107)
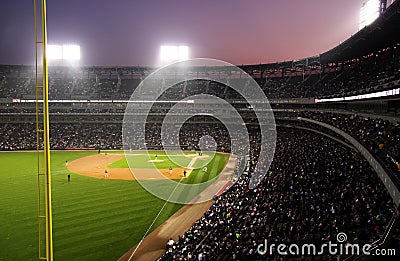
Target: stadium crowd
point(22, 136)
point(94, 135)
point(372, 73)
point(376, 72)
point(380, 137)
point(315, 188)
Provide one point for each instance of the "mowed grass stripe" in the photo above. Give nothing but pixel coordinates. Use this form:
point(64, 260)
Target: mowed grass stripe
point(137, 196)
point(99, 228)
point(196, 177)
point(115, 225)
point(90, 216)
point(102, 194)
point(99, 249)
point(94, 209)
point(107, 222)
point(104, 202)
point(216, 167)
point(110, 231)
point(18, 203)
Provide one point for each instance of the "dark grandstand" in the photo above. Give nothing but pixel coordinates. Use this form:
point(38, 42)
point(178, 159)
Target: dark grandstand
point(320, 182)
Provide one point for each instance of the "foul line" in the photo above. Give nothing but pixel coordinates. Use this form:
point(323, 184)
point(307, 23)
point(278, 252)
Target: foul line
point(191, 163)
point(145, 234)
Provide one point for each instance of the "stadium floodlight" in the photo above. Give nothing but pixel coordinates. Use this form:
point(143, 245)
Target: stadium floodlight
point(183, 52)
point(54, 52)
point(171, 53)
point(369, 11)
point(71, 52)
point(63, 52)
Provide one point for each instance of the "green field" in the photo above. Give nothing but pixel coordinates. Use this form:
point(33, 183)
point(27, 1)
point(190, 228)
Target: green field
point(214, 165)
point(93, 219)
point(213, 169)
point(141, 161)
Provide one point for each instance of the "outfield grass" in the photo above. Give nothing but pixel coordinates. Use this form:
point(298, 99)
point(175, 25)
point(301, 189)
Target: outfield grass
point(93, 219)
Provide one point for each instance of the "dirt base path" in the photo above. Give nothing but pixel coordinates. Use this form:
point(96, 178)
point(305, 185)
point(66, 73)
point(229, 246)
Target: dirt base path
point(153, 245)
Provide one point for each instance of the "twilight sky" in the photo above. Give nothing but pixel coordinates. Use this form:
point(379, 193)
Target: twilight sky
point(130, 32)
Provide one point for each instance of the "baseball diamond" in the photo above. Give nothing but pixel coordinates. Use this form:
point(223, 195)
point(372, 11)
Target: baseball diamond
point(90, 210)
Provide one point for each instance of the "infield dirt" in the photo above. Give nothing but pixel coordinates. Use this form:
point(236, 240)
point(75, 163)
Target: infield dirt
point(96, 165)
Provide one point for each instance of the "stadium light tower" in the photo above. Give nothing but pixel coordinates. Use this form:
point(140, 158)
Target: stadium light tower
point(63, 52)
point(173, 53)
point(370, 11)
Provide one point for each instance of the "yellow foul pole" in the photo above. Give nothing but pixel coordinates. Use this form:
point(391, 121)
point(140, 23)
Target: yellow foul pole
point(42, 134)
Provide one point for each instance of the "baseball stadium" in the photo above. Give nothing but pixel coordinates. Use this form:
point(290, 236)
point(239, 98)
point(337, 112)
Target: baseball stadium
point(201, 159)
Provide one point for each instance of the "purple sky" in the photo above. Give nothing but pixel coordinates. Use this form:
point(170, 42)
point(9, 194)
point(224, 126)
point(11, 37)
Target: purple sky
point(130, 32)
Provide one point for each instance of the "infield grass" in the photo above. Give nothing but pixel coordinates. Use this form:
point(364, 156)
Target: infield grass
point(214, 164)
point(141, 159)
